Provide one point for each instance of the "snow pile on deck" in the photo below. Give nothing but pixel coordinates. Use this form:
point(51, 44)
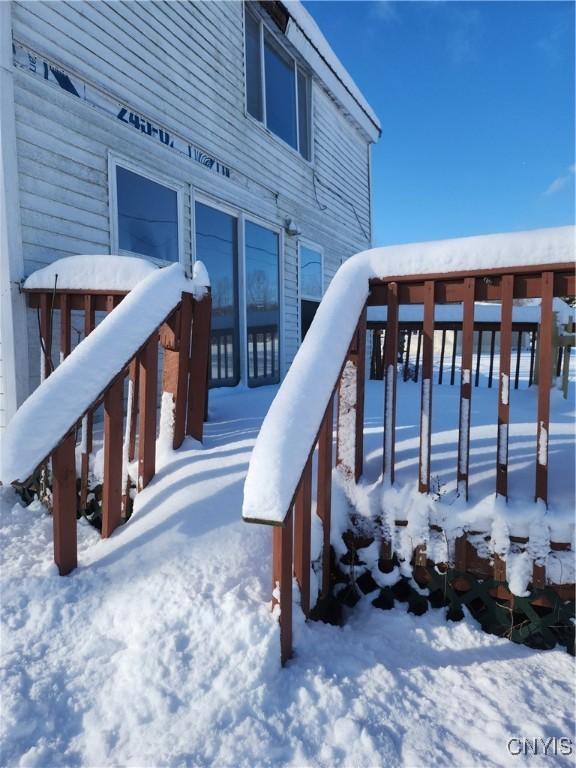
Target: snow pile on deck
point(62, 399)
point(96, 273)
point(292, 423)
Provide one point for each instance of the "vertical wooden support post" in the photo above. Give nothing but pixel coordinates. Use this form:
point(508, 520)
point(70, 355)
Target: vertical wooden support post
point(518, 353)
point(64, 505)
point(544, 382)
point(324, 494)
point(453, 366)
point(198, 378)
point(566, 371)
point(175, 374)
point(113, 434)
point(302, 531)
point(88, 420)
point(492, 348)
point(442, 350)
point(360, 387)
point(390, 361)
point(478, 358)
point(506, 296)
point(466, 388)
point(426, 398)
point(282, 582)
point(45, 336)
point(460, 553)
point(65, 326)
point(147, 396)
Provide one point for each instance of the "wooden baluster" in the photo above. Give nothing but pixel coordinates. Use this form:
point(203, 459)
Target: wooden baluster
point(533, 335)
point(466, 387)
point(407, 358)
point(351, 406)
point(65, 326)
point(148, 360)
point(112, 485)
point(324, 500)
point(302, 532)
point(88, 420)
point(518, 353)
point(64, 504)
point(460, 553)
point(507, 294)
point(390, 360)
point(478, 356)
point(199, 356)
point(282, 540)
point(45, 336)
point(175, 374)
point(133, 410)
point(453, 366)
point(492, 348)
point(442, 348)
point(418, 348)
point(426, 398)
point(544, 382)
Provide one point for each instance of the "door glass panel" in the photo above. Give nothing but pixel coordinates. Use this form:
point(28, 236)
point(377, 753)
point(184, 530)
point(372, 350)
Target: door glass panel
point(262, 304)
point(216, 246)
point(310, 273)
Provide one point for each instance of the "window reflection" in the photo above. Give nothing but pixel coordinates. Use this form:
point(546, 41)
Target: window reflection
point(262, 304)
point(280, 94)
point(147, 216)
point(216, 246)
point(310, 273)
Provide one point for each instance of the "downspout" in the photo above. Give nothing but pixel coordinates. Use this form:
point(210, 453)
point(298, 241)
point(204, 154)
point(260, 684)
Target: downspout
point(13, 331)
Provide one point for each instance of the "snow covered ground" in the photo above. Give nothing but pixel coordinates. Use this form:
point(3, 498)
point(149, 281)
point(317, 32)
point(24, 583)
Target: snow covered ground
point(160, 650)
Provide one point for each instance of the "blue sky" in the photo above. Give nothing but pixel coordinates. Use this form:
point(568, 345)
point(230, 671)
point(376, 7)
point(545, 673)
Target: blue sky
point(476, 101)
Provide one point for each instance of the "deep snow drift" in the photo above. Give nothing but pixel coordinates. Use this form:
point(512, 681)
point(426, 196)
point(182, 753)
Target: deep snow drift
point(160, 650)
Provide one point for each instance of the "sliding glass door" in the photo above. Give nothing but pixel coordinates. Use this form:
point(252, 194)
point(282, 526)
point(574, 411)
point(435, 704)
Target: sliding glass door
point(256, 353)
point(217, 247)
point(262, 303)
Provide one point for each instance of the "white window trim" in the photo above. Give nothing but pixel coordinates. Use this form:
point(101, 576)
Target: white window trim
point(262, 124)
point(242, 216)
point(114, 161)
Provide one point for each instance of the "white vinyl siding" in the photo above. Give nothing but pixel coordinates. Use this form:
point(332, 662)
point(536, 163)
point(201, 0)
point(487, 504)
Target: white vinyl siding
point(182, 66)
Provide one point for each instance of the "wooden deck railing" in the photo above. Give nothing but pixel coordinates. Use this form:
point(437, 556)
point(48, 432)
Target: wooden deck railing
point(130, 418)
point(291, 535)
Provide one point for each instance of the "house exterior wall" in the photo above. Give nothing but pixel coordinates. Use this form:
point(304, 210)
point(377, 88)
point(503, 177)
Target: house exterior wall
point(181, 66)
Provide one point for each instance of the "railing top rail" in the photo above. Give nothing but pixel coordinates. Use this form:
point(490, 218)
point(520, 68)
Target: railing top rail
point(53, 409)
point(530, 269)
point(291, 426)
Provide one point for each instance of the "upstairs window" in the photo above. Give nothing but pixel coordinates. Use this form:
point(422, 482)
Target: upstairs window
point(277, 90)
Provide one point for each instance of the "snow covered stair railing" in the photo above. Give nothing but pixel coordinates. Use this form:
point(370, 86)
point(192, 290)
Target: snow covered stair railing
point(278, 488)
point(163, 306)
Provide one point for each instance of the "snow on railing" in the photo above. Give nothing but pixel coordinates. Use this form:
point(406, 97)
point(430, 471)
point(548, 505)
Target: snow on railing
point(166, 306)
point(488, 268)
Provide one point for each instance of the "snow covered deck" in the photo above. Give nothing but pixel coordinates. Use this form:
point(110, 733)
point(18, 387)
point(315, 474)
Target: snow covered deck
point(160, 649)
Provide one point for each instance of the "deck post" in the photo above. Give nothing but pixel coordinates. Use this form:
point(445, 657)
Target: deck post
point(324, 493)
point(426, 397)
point(64, 504)
point(88, 420)
point(199, 358)
point(148, 374)
point(390, 376)
point(466, 388)
point(544, 382)
point(302, 531)
point(282, 582)
point(350, 418)
point(507, 293)
point(113, 438)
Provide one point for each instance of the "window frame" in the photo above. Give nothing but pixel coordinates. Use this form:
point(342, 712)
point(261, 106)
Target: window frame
point(263, 124)
point(141, 170)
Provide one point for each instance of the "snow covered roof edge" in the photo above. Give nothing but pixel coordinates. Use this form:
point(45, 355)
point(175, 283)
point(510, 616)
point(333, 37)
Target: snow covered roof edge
point(314, 42)
point(294, 418)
